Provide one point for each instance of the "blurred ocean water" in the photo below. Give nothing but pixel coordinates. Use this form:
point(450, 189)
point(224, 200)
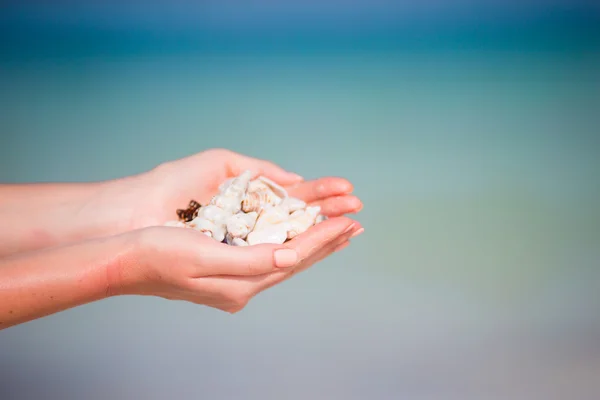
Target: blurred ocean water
point(478, 275)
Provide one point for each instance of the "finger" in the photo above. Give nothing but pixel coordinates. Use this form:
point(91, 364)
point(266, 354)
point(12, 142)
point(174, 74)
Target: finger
point(341, 246)
point(223, 259)
point(321, 188)
point(339, 205)
point(266, 281)
point(265, 168)
point(316, 237)
point(233, 292)
point(326, 251)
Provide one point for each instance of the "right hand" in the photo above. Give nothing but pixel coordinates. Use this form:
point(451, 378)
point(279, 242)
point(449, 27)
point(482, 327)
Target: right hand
point(183, 264)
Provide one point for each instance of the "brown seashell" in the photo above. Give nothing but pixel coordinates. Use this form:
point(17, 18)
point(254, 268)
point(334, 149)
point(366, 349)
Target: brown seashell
point(188, 214)
point(194, 205)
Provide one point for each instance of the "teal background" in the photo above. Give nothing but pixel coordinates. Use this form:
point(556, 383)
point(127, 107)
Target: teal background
point(471, 133)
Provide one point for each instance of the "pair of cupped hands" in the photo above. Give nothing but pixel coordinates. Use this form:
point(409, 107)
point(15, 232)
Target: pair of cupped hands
point(183, 264)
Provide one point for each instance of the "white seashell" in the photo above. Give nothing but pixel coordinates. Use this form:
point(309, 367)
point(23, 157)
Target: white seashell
point(256, 201)
point(301, 220)
point(229, 204)
point(293, 204)
point(297, 213)
point(178, 224)
point(225, 184)
point(238, 242)
point(276, 188)
point(262, 183)
point(201, 224)
point(313, 210)
point(230, 197)
point(248, 212)
point(218, 233)
point(214, 214)
point(240, 224)
point(209, 228)
point(257, 185)
point(275, 234)
point(239, 184)
point(270, 216)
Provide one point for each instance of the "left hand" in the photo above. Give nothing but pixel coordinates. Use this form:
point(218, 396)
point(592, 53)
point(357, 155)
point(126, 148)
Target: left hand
point(183, 264)
point(173, 184)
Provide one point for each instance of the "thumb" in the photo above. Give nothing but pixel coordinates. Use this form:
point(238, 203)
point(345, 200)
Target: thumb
point(248, 260)
point(268, 169)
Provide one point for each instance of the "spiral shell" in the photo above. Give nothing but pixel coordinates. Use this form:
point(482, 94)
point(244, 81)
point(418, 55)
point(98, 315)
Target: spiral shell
point(255, 201)
point(264, 183)
point(231, 194)
point(293, 204)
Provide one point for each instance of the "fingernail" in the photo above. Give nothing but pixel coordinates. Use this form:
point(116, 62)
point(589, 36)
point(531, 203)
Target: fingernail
point(285, 258)
point(359, 209)
point(358, 232)
point(348, 229)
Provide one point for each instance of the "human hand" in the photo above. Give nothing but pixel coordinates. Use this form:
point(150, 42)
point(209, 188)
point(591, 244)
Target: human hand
point(183, 264)
point(158, 193)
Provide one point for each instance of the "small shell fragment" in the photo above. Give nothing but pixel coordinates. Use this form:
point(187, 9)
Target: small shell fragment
point(214, 214)
point(216, 231)
point(240, 224)
point(238, 242)
point(302, 220)
point(179, 224)
point(275, 234)
point(271, 216)
point(320, 218)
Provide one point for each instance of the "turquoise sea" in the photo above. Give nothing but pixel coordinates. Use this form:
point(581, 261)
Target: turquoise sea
point(478, 275)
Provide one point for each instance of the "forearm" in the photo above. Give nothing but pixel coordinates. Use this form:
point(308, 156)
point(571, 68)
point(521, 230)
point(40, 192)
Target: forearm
point(34, 216)
point(44, 282)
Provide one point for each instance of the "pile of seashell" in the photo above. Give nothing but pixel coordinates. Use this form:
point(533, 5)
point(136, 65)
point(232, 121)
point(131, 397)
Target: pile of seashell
point(249, 212)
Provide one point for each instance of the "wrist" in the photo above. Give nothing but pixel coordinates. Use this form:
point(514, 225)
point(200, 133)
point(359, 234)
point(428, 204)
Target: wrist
point(124, 273)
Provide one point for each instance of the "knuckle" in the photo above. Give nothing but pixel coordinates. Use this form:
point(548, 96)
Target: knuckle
point(219, 150)
point(164, 169)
